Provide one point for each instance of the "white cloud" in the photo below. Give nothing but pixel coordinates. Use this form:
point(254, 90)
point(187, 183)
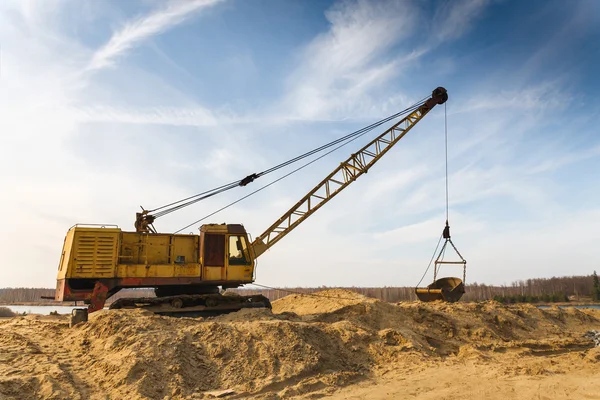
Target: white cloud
point(349, 70)
point(563, 245)
point(429, 230)
point(345, 63)
point(176, 116)
point(453, 18)
point(140, 29)
point(539, 97)
point(563, 160)
point(385, 185)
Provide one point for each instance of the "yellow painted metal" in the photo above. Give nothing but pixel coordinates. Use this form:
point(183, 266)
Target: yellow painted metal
point(346, 173)
point(89, 252)
point(214, 228)
point(95, 253)
point(239, 273)
point(158, 271)
point(149, 249)
point(214, 273)
point(65, 257)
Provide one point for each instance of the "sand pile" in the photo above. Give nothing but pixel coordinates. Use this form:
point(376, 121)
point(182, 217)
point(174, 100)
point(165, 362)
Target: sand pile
point(323, 302)
point(309, 345)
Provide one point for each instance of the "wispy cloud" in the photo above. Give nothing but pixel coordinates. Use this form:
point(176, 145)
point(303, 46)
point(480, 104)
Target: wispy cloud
point(428, 230)
point(538, 97)
point(454, 18)
point(564, 160)
point(341, 65)
point(140, 29)
point(348, 70)
point(175, 116)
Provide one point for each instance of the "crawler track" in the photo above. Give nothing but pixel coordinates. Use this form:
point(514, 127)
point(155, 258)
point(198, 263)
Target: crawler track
point(197, 305)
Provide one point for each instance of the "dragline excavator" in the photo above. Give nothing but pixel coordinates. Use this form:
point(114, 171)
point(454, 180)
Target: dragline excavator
point(187, 270)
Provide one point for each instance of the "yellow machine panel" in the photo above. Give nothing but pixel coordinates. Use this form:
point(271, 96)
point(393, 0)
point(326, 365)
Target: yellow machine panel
point(90, 252)
point(158, 256)
point(152, 249)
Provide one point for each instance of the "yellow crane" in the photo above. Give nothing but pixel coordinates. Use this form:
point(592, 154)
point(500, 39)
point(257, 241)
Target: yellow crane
point(186, 271)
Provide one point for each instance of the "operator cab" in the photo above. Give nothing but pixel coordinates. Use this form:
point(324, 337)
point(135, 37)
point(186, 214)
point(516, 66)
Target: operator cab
point(225, 252)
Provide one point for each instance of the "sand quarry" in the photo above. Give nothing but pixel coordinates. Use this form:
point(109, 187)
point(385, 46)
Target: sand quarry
point(342, 346)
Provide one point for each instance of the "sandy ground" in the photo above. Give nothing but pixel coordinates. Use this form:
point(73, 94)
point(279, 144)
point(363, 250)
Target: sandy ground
point(339, 345)
point(558, 376)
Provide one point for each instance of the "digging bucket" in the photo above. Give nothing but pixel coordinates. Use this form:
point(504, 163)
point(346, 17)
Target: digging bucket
point(446, 289)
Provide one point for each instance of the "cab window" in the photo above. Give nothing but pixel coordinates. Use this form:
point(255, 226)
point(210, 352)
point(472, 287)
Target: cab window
point(238, 251)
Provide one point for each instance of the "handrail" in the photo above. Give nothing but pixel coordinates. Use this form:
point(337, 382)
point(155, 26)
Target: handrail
point(90, 225)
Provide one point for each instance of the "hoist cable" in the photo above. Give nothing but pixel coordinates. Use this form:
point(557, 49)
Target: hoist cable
point(446, 148)
point(447, 202)
point(201, 196)
point(271, 183)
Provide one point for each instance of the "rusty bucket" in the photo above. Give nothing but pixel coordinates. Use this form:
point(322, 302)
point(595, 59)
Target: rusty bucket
point(446, 289)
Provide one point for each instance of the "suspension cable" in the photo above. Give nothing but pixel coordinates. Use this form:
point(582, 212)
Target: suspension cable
point(191, 197)
point(273, 182)
point(430, 261)
point(243, 182)
point(210, 194)
point(333, 143)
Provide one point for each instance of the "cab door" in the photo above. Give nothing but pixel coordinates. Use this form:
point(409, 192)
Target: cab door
point(214, 257)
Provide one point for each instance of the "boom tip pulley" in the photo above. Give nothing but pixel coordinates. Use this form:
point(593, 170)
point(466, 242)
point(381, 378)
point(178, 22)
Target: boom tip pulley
point(440, 94)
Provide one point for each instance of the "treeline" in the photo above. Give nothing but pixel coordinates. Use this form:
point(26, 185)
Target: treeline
point(530, 290)
point(545, 298)
point(570, 287)
point(555, 289)
point(24, 295)
point(389, 294)
point(36, 295)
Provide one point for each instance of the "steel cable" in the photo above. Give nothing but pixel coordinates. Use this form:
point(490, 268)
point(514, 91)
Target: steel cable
point(209, 193)
point(271, 183)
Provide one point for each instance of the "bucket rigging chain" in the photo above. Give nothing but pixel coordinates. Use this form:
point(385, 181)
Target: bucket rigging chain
point(440, 258)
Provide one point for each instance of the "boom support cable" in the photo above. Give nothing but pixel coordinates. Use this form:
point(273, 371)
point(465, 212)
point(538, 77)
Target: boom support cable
point(333, 143)
point(273, 182)
point(174, 206)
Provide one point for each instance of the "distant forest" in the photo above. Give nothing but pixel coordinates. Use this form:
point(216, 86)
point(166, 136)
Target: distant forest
point(544, 289)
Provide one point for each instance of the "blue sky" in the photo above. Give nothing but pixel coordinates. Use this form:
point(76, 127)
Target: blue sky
point(106, 106)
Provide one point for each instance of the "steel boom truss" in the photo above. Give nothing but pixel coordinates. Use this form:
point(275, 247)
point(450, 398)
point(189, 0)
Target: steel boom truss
point(346, 173)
